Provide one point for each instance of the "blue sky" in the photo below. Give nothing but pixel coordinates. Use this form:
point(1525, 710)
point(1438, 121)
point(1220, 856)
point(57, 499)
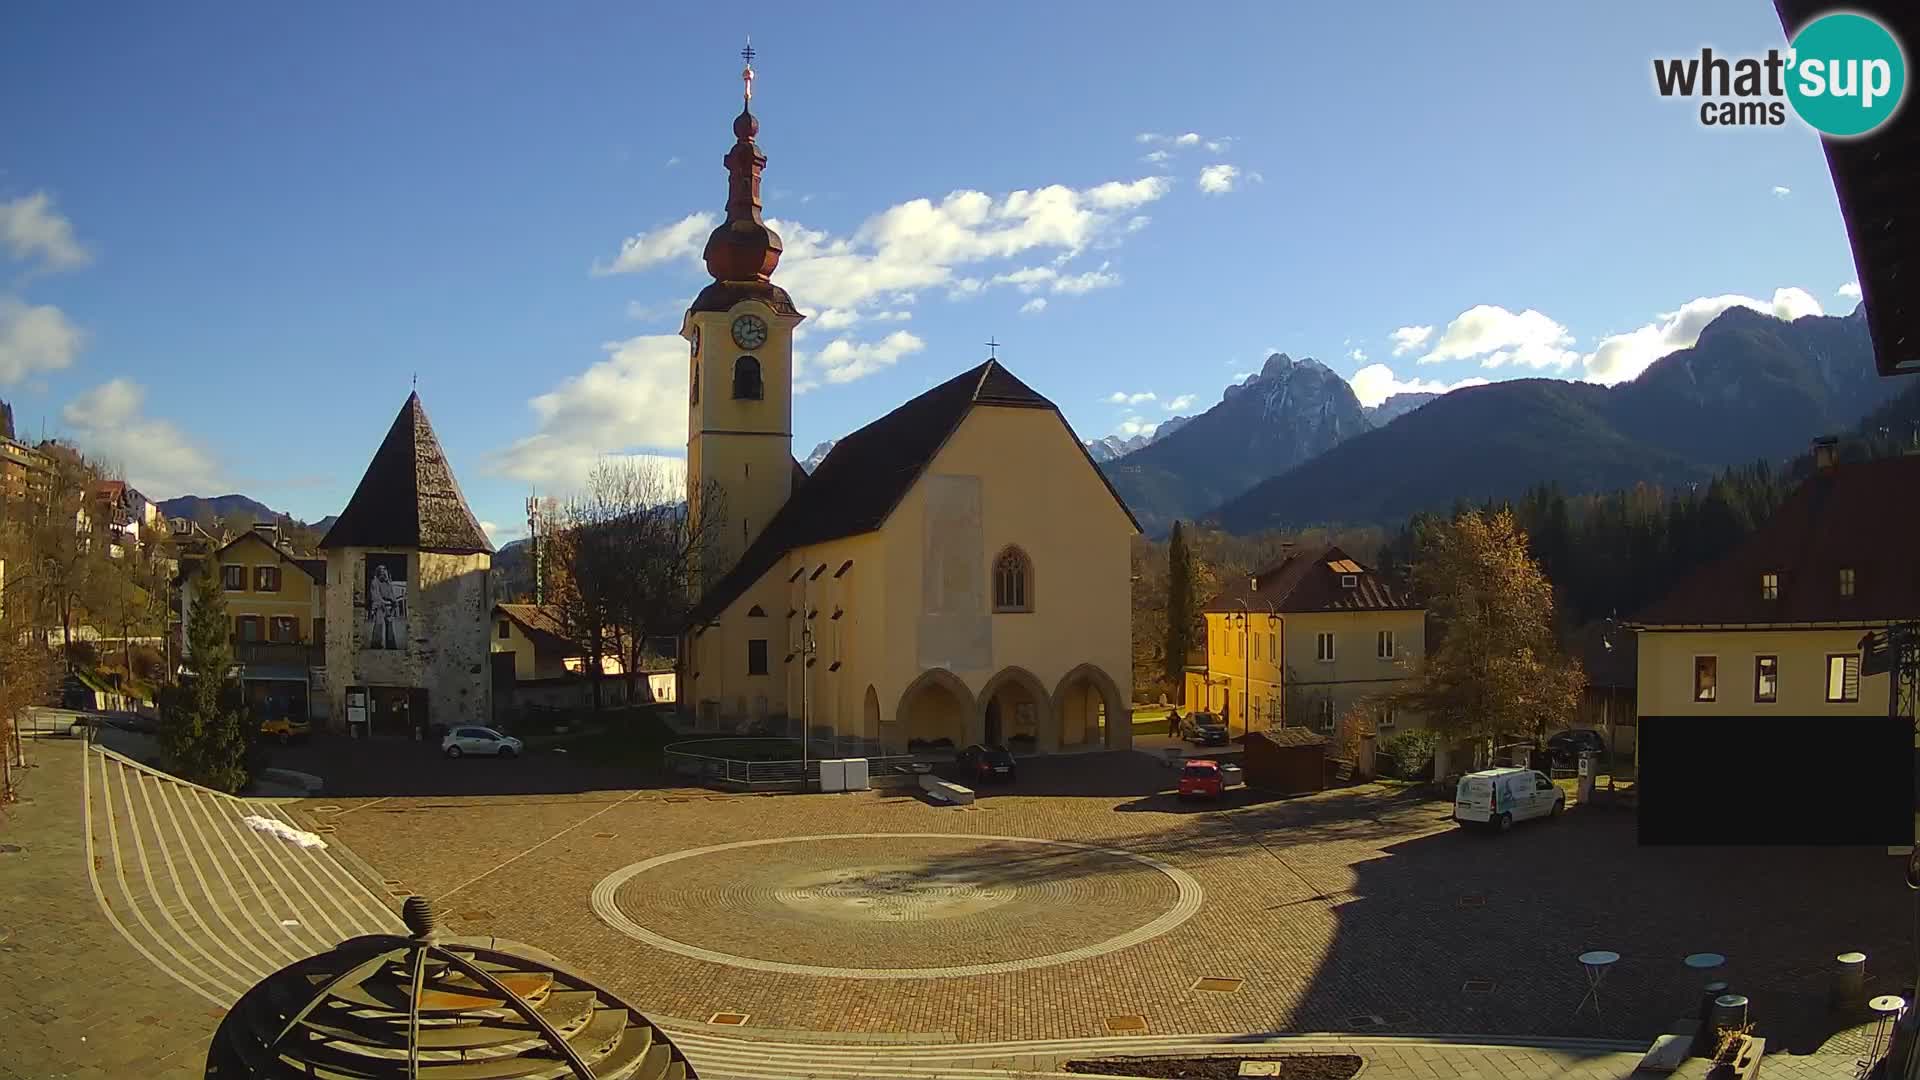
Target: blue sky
point(230, 235)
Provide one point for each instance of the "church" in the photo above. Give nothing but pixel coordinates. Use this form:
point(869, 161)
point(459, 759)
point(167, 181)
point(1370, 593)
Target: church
point(956, 572)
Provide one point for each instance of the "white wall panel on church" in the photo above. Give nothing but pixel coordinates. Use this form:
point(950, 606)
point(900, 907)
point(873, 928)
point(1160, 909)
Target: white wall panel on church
point(956, 632)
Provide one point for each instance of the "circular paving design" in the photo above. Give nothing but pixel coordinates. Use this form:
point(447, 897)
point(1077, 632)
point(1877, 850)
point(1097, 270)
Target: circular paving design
point(896, 905)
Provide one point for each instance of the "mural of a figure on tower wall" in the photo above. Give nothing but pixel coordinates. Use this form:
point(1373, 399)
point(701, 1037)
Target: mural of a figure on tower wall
point(386, 601)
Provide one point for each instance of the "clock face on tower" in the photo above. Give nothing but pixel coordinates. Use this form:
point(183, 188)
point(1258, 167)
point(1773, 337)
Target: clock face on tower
point(749, 332)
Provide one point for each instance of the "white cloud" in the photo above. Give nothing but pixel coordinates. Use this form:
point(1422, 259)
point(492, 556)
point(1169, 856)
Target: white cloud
point(1376, 383)
point(1191, 138)
point(109, 425)
point(1219, 145)
point(1134, 425)
point(1034, 306)
point(1357, 355)
point(1240, 376)
point(1620, 357)
point(929, 244)
point(1157, 157)
point(672, 161)
point(1408, 338)
point(844, 360)
point(1781, 192)
point(1849, 291)
point(1121, 397)
point(1499, 337)
point(891, 316)
point(35, 338)
point(1218, 179)
point(634, 400)
point(682, 239)
point(32, 229)
point(1176, 404)
point(489, 528)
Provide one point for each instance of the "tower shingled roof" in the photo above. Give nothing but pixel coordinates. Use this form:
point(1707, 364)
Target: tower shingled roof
point(408, 497)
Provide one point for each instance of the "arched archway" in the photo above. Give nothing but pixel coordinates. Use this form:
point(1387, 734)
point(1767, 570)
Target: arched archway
point(870, 714)
point(1092, 710)
point(1015, 710)
point(934, 708)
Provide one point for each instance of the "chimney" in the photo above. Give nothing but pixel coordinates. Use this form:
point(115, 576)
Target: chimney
point(1826, 453)
point(268, 532)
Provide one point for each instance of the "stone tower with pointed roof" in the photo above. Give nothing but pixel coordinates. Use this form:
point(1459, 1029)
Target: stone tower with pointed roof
point(957, 571)
point(407, 595)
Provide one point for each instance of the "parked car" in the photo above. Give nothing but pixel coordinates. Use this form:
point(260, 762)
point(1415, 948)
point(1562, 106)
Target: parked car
point(286, 728)
point(478, 740)
point(982, 763)
point(1202, 779)
point(1496, 798)
point(1566, 746)
point(1204, 729)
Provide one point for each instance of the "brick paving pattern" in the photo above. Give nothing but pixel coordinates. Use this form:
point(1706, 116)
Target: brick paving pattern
point(1351, 911)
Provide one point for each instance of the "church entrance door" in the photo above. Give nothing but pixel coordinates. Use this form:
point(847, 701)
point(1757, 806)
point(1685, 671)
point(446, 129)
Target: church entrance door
point(993, 723)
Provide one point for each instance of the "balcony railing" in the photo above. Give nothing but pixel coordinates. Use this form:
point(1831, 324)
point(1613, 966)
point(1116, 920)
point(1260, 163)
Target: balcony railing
point(279, 654)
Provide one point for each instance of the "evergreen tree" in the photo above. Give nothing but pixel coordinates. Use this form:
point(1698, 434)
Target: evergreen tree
point(204, 730)
point(1179, 608)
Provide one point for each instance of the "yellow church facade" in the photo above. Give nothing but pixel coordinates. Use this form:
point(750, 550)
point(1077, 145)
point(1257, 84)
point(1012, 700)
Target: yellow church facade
point(955, 572)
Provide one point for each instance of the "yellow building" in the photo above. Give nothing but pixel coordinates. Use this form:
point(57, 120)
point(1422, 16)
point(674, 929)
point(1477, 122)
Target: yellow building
point(1300, 643)
point(1775, 627)
point(275, 601)
point(954, 572)
point(537, 640)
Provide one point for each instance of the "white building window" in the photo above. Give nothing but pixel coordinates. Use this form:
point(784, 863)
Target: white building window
point(1012, 581)
point(1383, 645)
point(1846, 581)
point(1323, 648)
point(1770, 586)
point(1325, 717)
point(1843, 677)
point(1706, 678)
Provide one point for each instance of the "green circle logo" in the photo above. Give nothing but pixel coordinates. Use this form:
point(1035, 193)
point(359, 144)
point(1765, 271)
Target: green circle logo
point(1847, 74)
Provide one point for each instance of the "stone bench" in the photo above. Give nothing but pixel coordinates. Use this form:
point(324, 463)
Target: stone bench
point(946, 791)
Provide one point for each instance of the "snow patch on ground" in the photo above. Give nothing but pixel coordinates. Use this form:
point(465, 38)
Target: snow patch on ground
point(284, 831)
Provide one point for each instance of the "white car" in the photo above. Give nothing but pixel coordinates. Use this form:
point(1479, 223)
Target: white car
point(478, 740)
point(1499, 797)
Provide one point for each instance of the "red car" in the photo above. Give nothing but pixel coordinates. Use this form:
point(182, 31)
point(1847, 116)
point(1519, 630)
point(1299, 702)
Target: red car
point(1201, 779)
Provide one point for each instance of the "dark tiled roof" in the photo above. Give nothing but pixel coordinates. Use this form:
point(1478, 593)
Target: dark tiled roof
point(722, 295)
point(408, 497)
point(1289, 736)
point(1875, 177)
point(541, 624)
point(1863, 516)
point(867, 473)
point(313, 568)
point(1304, 583)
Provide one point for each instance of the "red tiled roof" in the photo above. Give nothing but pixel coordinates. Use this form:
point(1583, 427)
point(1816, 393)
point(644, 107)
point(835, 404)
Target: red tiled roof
point(1289, 736)
point(1307, 582)
point(1864, 517)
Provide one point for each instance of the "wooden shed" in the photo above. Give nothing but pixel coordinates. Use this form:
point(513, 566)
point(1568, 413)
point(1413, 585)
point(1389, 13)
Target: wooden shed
point(1290, 760)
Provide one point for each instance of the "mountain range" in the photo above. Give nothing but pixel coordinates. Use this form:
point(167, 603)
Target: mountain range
point(1753, 387)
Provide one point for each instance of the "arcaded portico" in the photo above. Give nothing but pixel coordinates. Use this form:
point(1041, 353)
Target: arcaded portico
point(957, 571)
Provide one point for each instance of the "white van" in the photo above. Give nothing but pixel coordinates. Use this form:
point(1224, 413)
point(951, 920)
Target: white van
point(1500, 797)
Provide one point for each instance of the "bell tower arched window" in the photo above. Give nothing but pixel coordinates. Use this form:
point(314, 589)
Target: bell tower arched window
point(746, 379)
point(1012, 581)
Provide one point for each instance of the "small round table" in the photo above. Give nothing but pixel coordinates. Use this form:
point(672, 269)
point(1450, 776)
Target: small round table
point(1595, 964)
point(1705, 961)
point(1886, 1010)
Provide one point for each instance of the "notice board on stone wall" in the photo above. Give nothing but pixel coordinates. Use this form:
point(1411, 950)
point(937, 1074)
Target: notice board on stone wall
point(955, 630)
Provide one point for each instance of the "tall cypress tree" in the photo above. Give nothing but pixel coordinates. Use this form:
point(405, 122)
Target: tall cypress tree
point(204, 730)
point(1179, 609)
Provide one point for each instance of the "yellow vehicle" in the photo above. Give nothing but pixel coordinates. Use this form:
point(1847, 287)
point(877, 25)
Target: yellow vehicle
point(286, 728)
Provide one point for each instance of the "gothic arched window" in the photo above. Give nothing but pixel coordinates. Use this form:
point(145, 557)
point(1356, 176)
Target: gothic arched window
point(746, 379)
point(1012, 581)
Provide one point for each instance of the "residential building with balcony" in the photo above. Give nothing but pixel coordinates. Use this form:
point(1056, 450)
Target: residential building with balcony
point(276, 604)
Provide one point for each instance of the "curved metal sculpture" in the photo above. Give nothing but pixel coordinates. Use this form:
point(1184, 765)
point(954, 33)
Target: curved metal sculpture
point(428, 1007)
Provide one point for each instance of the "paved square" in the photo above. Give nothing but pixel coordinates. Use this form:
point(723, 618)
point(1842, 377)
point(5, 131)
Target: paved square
point(1357, 910)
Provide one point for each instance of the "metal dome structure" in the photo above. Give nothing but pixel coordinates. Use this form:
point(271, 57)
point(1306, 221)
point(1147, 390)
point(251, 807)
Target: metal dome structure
point(427, 1007)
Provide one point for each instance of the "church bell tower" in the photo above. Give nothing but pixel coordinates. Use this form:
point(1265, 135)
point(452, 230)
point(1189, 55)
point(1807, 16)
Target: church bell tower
point(739, 333)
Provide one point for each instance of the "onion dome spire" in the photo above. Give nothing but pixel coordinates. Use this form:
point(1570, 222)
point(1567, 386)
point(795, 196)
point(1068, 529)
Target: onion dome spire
point(743, 249)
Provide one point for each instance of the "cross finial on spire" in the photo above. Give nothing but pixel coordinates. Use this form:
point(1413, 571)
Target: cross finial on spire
point(746, 73)
point(993, 349)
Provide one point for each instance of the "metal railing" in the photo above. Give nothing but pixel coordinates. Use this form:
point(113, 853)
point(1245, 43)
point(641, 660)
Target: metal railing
point(773, 764)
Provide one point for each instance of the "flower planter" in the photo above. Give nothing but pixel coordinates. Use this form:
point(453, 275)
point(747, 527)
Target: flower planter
point(1745, 1063)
